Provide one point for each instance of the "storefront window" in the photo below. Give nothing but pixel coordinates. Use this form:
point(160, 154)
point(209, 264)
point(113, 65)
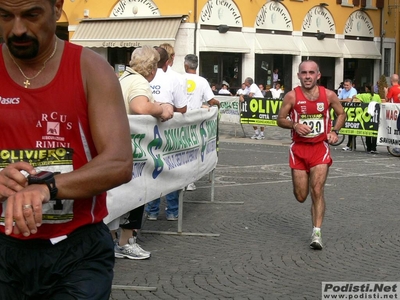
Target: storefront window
point(360, 71)
point(119, 56)
point(217, 67)
point(265, 66)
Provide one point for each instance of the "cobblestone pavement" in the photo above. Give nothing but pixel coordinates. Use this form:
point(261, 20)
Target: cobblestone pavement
point(262, 251)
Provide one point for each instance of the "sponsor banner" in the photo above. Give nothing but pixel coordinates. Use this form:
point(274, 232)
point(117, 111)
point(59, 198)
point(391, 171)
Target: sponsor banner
point(229, 109)
point(360, 290)
point(167, 156)
point(388, 133)
point(259, 111)
point(362, 118)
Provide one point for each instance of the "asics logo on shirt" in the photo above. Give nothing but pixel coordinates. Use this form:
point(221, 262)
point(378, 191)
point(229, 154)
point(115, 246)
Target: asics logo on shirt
point(5, 101)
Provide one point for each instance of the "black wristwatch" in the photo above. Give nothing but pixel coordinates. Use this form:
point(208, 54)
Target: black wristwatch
point(45, 177)
point(335, 131)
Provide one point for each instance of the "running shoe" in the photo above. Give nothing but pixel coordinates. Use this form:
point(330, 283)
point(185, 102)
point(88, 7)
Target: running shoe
point(191, 187)
point(131, 250)
point(152, 217)
point(346, 149)
point(260, 137)
point(172, 218)
point(316, 241)
point(255, 137)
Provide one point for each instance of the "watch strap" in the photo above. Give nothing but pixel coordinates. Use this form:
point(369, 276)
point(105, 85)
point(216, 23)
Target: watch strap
point(51, 185)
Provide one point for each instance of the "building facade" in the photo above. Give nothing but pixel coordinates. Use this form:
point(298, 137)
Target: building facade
point(246, 38)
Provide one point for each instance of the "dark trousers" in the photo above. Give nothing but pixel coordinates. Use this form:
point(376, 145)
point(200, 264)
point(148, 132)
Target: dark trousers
point(134, 220)
point(371, 143)
point(77, 268)
point(351, 142)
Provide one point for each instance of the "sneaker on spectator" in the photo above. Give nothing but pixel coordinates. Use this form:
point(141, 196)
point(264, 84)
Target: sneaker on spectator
point(131, 250)
point(172, 218)
point(152, 217)
point(255, 137)
point(374, 152)
point(346, 149)
point(316, 240)
point(141, 250)
point(260, 137)
point(191, 187)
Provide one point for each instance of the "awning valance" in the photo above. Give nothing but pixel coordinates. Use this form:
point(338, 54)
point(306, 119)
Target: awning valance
point(361, 49)
point(127, 32)
point(275, 44)
point(231, 41)
point(327, 47)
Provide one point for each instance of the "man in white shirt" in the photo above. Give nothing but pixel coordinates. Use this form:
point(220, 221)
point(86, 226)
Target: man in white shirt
point(252, 90)
point(198, 91)
point(198, 88)
point(176, 77)
point(277, 91)
point(275, 76)
point(242, 90)
point(346, 95)
point(224, 90)
point(166, 89)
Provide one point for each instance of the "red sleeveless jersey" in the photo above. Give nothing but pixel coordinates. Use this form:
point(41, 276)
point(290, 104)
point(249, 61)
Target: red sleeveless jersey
point(313, 113)
point(49, 128)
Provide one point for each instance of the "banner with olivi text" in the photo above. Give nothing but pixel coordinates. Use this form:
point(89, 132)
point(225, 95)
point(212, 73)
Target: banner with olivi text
point(389, 125)
point(167, 156)
point(361, 118)
point(259, 111)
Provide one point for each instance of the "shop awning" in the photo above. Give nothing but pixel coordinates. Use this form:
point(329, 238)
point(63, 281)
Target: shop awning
point(127, 32)
point(275, 44)
point(231, 41)
point(327, 47)
point(361, 49)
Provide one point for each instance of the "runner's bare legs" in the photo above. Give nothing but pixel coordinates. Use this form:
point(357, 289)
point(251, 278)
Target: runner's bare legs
point(303, 182)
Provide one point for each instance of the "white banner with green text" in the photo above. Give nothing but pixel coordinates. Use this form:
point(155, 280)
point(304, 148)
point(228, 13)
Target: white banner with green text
point(167, 156)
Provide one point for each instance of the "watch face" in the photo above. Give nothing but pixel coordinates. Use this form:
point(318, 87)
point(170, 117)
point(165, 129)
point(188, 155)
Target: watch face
point(43, 175)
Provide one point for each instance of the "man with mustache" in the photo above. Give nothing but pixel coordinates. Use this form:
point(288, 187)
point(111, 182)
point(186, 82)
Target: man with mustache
point(61, 106)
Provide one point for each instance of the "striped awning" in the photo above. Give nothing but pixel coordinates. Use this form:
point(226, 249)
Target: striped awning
point(127, 32)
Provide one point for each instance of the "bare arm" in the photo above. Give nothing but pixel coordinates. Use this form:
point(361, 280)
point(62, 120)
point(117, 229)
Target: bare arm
point(338, 108)
point(107, 116)
point(181, 110)
point(141, 105)
point(213, 102)
point(287, 105)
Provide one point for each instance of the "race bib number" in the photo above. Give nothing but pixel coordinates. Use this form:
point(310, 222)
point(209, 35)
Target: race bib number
point(316, 125)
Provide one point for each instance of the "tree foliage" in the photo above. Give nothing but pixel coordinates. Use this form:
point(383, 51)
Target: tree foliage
point(382, 84)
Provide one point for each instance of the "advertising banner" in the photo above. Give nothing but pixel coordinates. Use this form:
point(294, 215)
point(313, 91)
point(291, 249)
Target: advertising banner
point(389, 134)
point(361, 118)
point(167, 156)
point(259, 111)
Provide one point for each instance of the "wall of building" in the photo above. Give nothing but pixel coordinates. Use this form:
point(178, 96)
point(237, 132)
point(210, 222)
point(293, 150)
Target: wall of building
point(385, 23)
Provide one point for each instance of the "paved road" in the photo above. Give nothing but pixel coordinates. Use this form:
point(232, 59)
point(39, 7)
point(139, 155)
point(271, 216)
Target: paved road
point(262, 251)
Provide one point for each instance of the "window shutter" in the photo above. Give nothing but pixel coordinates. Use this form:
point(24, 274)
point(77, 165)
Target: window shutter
point(380, 3)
